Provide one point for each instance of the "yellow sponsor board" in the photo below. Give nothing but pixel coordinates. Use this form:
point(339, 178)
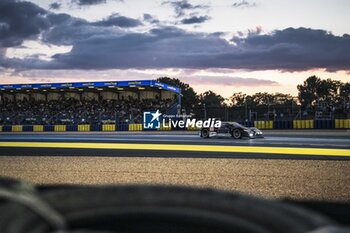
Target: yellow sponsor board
point(38, 128)
point(83, 128)
point(60, 128)
point(108, 127)
point(342, 123)
point(303, 124)
point(17, 128)
point(263, 124)
point(135, 127)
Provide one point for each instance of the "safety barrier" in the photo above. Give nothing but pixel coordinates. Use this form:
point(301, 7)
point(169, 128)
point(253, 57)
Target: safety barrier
point(122, 127)
point(27, 128)
point(342, 123)
point(303, 124)
point(38, 128)
point(96, 127)
point(166, 127)
point(283, 124)
point(83, 128)
point(71, 128)
point(263, 124)
point(324, 124)
point(295, 124)
point(108, 127)
point(60, 128)
point(17, 128)
point(135, 127)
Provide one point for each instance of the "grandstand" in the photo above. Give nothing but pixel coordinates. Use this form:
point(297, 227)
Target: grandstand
point(83, 103)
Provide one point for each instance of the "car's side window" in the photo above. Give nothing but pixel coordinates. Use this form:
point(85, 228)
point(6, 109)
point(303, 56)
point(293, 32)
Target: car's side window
point(224, 128)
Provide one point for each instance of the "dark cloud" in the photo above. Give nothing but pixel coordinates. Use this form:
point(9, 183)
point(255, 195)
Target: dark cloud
point(195, 20)
point(243, 3)
point(161, 47)
point(91, 2)
point(67, 30)
point(169, 47)
point(88, 2)
point(96, 45)
point(19, 21)
point(150, 19)
point(55, 6)
point(293, 49)
point(120, 21)
point(181, 7)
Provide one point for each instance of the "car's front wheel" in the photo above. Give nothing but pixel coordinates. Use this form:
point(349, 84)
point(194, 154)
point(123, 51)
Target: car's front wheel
point(205, 133)
point(236, 134)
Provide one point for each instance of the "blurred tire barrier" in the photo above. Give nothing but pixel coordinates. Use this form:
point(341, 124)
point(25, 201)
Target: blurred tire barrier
point(122, 127)
point(17, 128)
point(108, 127)
point(60, 128)
point(96, 127)
point(324, 124)
point(303, 124)
point(342, 123)
point(135, 127)
point(71, 128)
point(49, 128)
point(84, 128)
point(38, 128)
point(7, 128)
point(283, 124)
point(28, 128)
point(263, 124)
point(148, 209)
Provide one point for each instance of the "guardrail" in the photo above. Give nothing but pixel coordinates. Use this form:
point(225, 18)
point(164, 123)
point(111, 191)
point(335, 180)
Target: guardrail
point(295, 124)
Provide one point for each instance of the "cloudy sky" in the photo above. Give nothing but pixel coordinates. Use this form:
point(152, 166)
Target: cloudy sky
point(223, 45)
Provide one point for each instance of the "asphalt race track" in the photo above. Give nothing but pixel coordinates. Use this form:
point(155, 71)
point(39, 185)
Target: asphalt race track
point(299, 165)
point(176, 145)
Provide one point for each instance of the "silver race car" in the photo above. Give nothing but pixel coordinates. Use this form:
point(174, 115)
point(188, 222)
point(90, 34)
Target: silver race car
point(232, 129)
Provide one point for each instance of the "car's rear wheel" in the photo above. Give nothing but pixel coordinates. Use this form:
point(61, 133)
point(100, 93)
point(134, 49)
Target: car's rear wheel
point(152, 209)
point(205, 133)
point(236, 134)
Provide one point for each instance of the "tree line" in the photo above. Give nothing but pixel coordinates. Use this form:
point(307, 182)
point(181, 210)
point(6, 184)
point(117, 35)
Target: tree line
point(312, 93)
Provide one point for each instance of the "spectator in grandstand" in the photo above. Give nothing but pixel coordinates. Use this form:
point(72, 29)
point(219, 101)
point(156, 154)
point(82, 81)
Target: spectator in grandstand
point(73, 111)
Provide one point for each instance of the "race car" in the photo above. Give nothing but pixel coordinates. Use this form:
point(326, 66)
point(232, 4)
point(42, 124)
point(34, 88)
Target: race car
point(233, 129)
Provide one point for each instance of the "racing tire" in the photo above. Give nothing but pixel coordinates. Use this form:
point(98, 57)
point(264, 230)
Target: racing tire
point(236, 134)
point(205, 133)
point(158, 209)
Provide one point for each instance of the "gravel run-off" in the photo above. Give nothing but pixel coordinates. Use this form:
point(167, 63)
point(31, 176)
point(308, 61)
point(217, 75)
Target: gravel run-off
point(296, 179)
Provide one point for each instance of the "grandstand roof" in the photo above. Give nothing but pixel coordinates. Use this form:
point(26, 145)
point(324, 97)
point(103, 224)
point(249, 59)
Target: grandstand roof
point(107, 84)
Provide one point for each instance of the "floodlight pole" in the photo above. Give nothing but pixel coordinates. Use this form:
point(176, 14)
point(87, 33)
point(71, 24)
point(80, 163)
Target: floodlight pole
point(179, 98)
point(179, 103)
